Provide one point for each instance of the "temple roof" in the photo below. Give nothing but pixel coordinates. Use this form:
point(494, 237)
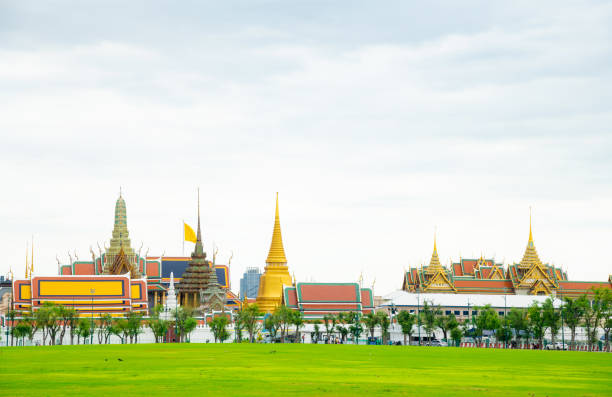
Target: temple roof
point(276, 255)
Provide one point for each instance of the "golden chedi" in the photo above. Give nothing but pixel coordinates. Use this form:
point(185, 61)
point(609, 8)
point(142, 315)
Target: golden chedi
point(276, 274)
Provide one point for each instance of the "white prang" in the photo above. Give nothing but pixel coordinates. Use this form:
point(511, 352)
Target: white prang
point(171, 303)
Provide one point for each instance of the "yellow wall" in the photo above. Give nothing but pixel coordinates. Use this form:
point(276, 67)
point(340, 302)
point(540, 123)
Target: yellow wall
point(73, 287)
point(25, 291)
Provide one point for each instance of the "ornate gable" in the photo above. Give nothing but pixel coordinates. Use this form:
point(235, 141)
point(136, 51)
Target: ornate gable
point(439, 282)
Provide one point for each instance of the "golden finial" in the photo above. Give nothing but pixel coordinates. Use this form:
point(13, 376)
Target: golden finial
point(32, 259)
point(435, 232)
point(530, 234)
point(276, 255)
point(26, 261)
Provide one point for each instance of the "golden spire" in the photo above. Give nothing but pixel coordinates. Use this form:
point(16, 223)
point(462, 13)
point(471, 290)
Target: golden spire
point(26, 262)
point(530, 234)
point(530, 257)
point(435, 260)
point(276, 256)
point(32, 259)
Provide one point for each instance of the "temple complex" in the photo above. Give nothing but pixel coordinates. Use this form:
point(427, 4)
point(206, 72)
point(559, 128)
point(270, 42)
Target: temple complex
point(199, 288)
point(120, 258)
point(276, 274)
point(484, 276)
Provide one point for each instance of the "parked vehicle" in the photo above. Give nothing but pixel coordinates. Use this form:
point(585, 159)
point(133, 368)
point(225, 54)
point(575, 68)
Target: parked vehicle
point(438, 343)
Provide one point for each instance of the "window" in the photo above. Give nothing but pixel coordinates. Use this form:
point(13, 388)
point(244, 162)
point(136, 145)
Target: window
point(501, 313)
point(457, 312)
point(448, 312)
point(466, 313)
point(474, 312)
point(411, 311)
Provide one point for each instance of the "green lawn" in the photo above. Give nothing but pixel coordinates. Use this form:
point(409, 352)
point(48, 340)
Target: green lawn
point(243, 369)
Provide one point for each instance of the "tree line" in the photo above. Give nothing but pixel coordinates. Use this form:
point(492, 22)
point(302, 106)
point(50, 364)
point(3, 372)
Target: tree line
point(592, 312)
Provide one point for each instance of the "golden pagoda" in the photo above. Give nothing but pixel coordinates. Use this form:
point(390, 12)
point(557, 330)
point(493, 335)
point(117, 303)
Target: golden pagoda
point(434, 262)
point(276, 274)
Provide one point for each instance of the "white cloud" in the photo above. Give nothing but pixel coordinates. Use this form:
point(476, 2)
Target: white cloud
point(371, 143)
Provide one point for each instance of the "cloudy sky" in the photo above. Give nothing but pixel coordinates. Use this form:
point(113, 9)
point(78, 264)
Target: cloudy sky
point(377, 123)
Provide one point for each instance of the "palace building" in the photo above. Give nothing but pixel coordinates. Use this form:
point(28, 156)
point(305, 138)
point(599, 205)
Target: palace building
point(484, 276)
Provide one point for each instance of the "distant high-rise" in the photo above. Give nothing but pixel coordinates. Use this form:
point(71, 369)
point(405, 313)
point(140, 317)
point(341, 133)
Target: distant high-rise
point(249, 283)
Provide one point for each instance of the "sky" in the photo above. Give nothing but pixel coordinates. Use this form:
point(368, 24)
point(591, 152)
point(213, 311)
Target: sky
point(379, 124)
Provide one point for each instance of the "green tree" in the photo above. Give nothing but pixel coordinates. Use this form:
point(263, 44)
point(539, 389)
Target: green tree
point(384, 322)
point(316, 334)
point(84, 328)
point(184, 321)
point(572, 311)
point(406, 322)
point(603, 297)
point(48, 321)
point(456, 334)
point(486, 320)
point(238, 327)
point(355, 328)
point(11, 315)
point(73, 324)
point(429, 317)
point(447, 323)
point(537, 324)
point(552, 318)
point(342, 320)
point(134, 320)
point(66, 316)
point(297, 319)
point(370, 320)
point(21, 330)
point(329, 320)
point(105, 322)
point(250, 315)
point(503, 333)
point(519, 322)
point(272, 324)
point(218, 327)
point(284, 315)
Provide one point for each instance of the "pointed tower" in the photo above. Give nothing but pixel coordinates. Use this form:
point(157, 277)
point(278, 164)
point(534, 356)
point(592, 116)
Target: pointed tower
point(199, 288)
point(276, 274)
point(533, 277)
point(120, 257)
point(434, 262)
point(530, 257)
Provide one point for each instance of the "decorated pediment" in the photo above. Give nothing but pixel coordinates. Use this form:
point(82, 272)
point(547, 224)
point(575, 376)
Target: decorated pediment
point(540, 288)
point(536, 275)
point(439, 282)
point(496, 274)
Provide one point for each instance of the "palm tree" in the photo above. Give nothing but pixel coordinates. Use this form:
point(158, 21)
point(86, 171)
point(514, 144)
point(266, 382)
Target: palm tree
point(329, 321)
point(370, 320)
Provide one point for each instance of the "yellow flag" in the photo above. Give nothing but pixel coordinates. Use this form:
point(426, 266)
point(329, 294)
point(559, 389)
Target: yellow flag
point(189, 233)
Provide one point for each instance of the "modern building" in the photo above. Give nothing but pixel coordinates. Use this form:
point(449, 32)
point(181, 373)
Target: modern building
point(484, 276)
point(249, 283)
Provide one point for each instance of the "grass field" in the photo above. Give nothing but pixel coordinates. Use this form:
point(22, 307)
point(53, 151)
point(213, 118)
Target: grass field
point(248, 370)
